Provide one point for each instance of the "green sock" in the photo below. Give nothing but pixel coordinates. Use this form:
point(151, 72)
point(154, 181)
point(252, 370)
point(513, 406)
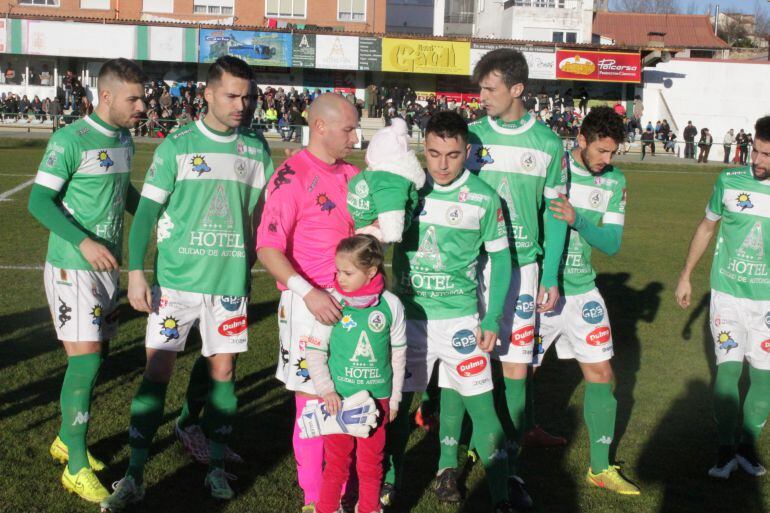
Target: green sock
point(146, 416)
point(756, 406)
point(218, 419)
point(599, 411)
point(197, 391)
point(727, 400)
point(75, 400)
point(489, 440)
point(451, 416)
point(397, 436)
point(516, 401)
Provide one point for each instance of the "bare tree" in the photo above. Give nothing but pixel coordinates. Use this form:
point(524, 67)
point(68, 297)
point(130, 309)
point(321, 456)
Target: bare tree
point(732, 30)
point(762, 19)
point(647, 6)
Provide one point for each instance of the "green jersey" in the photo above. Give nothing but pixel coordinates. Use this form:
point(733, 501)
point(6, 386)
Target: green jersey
point(524, 162)
point(209, 184)
point(740, 266)
point(90, 163)
point(435, 264)
point(359, 346)
point(598, 199)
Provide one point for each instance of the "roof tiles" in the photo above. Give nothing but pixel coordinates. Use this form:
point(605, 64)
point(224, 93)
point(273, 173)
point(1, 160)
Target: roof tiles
point(673, 30)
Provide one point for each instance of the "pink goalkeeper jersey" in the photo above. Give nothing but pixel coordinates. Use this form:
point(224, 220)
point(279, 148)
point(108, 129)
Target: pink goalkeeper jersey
point(306, 216)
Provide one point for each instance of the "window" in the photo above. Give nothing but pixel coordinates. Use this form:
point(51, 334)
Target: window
point(286, 8)
point(217, 7)
point(199, 9)
point(351, 10)
point(558, 37)
point(164, 6)
point(571, 37)
point(95, 4)
point(46, 3)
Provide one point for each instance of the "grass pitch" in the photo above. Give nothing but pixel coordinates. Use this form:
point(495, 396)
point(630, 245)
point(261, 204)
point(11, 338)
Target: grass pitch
point(665, 435)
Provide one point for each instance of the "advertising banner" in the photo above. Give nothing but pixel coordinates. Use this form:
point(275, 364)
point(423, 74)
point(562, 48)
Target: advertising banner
point(336, 52)
point(369, 53)
point(541, 61)
point(256, 48)
point(426, 56)
point(68, 39)
point(598, 66)
point(303, 51)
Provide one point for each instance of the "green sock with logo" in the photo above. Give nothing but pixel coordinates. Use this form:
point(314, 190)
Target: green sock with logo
point(727, 400)
point(146, 416)
point(79, 380)
point(599, 410)
point(197, 392)
point(451, 413)
point(218, 419)
point(489, 441)
point(516, 401)
point(756, 406)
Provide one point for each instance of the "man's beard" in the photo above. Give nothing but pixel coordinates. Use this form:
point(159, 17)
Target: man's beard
point(759, 175)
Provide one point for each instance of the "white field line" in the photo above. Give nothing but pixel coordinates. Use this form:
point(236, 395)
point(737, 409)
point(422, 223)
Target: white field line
point(10, 192)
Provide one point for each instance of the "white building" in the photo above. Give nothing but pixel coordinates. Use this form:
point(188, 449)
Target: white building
point(559, 21)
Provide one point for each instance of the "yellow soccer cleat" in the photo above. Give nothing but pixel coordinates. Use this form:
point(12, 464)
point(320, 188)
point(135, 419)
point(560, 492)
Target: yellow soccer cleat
point(61, 453)
point(85, 484)
point(610, 479)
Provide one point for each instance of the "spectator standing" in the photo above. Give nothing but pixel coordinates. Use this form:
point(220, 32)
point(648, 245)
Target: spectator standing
point(569, 101)
point(746, 149)
point(648, 139)
point(689, 138)
point(727, 144)
point(741, 147)
point(583, 105)
point(638, 108)
point(704, 145)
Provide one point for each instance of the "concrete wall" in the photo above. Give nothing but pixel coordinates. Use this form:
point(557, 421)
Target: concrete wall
point(717, 95)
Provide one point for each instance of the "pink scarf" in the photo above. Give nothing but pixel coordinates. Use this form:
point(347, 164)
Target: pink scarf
point(366, 296)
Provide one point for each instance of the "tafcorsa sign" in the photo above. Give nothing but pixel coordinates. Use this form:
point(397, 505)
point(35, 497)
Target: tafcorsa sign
point(598, 66)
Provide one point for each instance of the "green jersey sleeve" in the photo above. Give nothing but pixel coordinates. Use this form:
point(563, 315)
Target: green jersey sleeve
point(715, 206)
point(493, 230)
point(60, 161)
point(616, 207)
point(556, 174)
point(160, 180)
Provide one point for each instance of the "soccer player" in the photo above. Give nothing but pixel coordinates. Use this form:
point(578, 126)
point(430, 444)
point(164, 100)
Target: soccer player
point(740, 301)
point(579, 326)
point(304, 218)
point(81, 191)
point(200, 191)
point(434, 271)
point(523, 160)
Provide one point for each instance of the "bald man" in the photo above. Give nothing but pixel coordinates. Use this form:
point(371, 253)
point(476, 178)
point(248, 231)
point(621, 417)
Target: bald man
point(304, 218)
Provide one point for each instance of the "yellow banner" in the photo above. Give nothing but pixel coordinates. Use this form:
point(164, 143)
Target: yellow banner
point(426, 56)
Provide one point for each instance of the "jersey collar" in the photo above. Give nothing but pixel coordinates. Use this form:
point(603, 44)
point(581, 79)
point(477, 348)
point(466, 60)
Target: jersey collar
point(100, 126)
point(526, 123)
point(214, 136)
point(576, 168)
point(452, 186)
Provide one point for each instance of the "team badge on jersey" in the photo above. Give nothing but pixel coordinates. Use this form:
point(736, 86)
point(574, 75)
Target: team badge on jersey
point(347, 322)
point(483, 156)
point(326, 204)
point(170, 328)
point(744, 201)
point(454, 215)
point(199, 165)
point(376, 321)
point(726, 342)
point(528, 161)
point(104, 160)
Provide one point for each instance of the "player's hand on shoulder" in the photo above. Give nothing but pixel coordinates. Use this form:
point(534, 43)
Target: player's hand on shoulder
point(100, 258)
point(546, 299)
point(323, 306)
point(562, 209)
point(683, 292)
point(333, 402)
point(139, 294)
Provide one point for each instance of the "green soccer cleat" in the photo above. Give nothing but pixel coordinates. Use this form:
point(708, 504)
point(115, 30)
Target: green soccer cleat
point(216, 481)
point(60, 452)
point(84, 484)
point(610, 479)
point(126, 492)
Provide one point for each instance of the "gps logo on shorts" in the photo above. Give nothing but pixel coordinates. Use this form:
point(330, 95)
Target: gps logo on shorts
point(523, 336)
point(472, 366)
point(464, 341)
point(231, 303)
point(233, 327)
point(767, 320)
point(593, 312)
point(599, 336)
point(525, 306)
point(765, 345)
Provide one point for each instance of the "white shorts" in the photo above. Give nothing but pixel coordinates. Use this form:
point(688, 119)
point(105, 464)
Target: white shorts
point(295, 324)
point(579, 326)
point(517, 326)
point(741, 329)
point(221, 320)
point(83, 304)
point(462, 365)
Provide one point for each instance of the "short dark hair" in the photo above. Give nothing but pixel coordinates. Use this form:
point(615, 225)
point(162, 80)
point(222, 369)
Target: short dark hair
point(231, 65)
point(603, 122)
point(124, 70)
point(762, 129)
point(447, 124)
point(510, 63)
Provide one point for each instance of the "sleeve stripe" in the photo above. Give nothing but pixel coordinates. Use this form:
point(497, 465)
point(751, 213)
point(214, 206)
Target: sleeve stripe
point(712, 216)
point(493, 246)
point(50, 181)
point(613, 218)
point(553, 192)
point(156, 194)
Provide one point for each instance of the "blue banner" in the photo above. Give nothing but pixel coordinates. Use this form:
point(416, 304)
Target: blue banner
point(256, 48)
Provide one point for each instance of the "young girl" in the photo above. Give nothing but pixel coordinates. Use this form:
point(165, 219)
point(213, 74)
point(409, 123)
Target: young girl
point(365, 350)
